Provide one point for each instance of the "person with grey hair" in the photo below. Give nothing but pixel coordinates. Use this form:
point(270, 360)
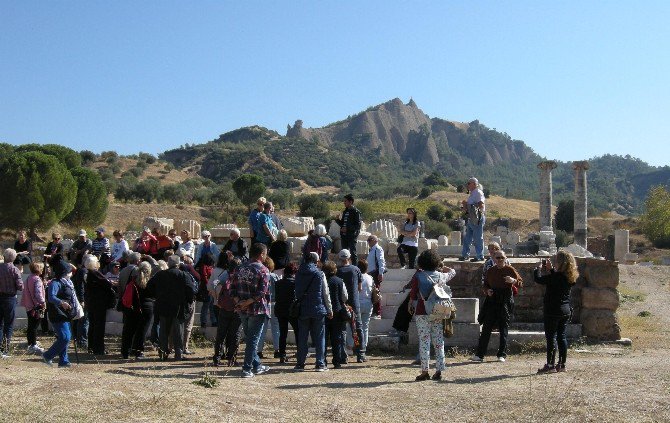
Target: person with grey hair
point(173, 291)
point(133, 259)
point(311, 288)
point(353, 281)
point(280, 252)
point(138, 313)
point(317, 242)
point(236, 246)
point(99, 295)
point(474, 208)
point(10, 283)
point(376, 269)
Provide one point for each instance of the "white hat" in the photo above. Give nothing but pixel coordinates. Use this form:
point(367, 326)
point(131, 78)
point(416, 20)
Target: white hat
point(344, 254)
point(206, 233)
point(82, 232)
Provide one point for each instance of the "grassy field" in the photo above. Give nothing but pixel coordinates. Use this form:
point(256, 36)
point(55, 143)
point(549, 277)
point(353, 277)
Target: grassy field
point(604, 383)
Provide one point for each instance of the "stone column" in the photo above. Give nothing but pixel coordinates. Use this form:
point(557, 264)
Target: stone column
point(621, 237)
point(581, 201)
point(545, 193)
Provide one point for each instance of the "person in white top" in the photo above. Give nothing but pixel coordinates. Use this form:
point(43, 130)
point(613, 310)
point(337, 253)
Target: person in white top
point(376, 269)
point(365, 300)
point(474, 208)
point(187, 246)
point(119, 246)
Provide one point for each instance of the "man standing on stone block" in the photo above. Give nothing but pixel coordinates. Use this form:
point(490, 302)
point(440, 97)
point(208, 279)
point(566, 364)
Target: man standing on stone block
point(350, 226)
point(474, 227)
point(253, 217)
point(376, 269)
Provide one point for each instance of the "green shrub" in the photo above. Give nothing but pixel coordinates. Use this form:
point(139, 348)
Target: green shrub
point(434, 229)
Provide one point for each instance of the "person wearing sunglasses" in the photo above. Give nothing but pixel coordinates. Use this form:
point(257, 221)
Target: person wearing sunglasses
point(498, 289)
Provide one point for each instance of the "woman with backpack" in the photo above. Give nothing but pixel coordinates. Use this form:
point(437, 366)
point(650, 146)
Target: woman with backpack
point(557, 309)
point(138, 311)
point(423, 284)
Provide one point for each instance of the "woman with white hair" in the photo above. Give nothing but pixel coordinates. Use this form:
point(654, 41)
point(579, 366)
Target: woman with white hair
point(317, 242)
point(99, 295)
point(235, 247)
point(138, 310)
point(280, 252)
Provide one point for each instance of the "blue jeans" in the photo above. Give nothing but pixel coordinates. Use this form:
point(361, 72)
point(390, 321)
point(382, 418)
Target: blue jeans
point(274, 326)
point(7, 315)
point(366, 313)
point(313, 326)
point(59, 347)
point(474, 234)
point(80, 330)
point(253, 329)
point(208, 310)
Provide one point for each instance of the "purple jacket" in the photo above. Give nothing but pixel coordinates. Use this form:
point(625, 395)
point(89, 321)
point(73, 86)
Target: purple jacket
point(34, 293)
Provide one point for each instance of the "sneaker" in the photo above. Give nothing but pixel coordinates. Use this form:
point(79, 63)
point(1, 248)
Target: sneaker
point(47, 362)
point(437, 376)
point(188, 352)
point(247, 374)
point(277, 354)
point(140, 356)
point(404, 267)
point(65, 366)
point(377, 317)
point(299, 368)
point(476, 359)
point(422, 377)
point(560, 368)
point(501, 359)
point(5, 355)
point(262, 369)
point(548, 368)
point(462, 258)
point(475, 260)
point(321, 368)
point(337, 366)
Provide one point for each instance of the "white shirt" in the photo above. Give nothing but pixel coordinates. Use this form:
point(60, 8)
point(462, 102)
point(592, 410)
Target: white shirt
point(476, 196)
point(118, 248)
point(376, 256)
point(365, 296)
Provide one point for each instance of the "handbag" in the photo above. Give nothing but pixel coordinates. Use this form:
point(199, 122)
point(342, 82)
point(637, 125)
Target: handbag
point(375, 295)
point(36, 312)
point(439, 304)
point(294, 309)
point(400, 239)
point(448, 328)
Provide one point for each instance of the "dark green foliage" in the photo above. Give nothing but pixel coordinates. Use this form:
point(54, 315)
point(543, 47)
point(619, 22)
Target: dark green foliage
point(283, 199)
point(487, 192)
point(87, 157)
point(248, 188)
point(313, 205)
point(125, 189)
point(147, 158)
point(434, 228)
point(176, 194)
point(368, 212)
point(37, 190)
point(436, 212)
point(90, 207)
point(565, 216)
point(655, 221)
point(562, 238)
point(67, 156)
point(435, 178)
point(426, 191)
point(150, 190)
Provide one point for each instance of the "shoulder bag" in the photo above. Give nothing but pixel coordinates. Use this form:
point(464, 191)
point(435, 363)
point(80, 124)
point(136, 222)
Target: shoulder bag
point(294, 309)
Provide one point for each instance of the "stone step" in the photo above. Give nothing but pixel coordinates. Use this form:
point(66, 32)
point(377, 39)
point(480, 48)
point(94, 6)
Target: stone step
point(573, 330)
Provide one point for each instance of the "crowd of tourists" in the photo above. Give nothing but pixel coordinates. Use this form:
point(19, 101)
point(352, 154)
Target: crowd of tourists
point(246, 290)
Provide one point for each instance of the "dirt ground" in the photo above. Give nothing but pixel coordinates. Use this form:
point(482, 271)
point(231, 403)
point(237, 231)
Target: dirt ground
point(604, 383)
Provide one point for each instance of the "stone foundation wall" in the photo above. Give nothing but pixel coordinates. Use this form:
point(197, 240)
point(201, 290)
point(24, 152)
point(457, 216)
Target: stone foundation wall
point(594, 297)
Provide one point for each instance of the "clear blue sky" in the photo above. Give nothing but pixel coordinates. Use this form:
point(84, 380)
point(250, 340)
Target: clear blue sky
point(572, 79)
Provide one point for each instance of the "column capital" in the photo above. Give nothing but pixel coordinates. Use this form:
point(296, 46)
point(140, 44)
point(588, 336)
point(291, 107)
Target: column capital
point(547, 165)
point(583, 165)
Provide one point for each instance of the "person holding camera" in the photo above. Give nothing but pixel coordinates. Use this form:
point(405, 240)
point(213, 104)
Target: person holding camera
point(498, 288)
point(557, 309)
point(474, 208)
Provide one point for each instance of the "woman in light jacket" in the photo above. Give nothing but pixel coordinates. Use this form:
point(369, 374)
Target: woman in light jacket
point(34, 301)
point(422, 286)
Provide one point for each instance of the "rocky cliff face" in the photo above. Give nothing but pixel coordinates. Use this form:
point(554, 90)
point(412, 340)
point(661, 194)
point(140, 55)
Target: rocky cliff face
point(393, 128)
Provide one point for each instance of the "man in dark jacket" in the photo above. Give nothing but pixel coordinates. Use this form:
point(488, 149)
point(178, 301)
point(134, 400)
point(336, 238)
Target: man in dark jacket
point(311, 289)
point(173, 290)
point(350, 226)
point(353, 281)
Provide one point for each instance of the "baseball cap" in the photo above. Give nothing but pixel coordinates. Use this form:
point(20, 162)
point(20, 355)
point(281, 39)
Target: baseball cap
point(206, 233)
point(344, 254)
point(82, 232)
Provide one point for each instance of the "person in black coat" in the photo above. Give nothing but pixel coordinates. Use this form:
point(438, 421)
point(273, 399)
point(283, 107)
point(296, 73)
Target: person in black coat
point(336, 327)
point(138, 317)
point(173, 291)
point(284, 295)
point(99, 295)
point(557, 309)
point(236, 247)
point(280, 251)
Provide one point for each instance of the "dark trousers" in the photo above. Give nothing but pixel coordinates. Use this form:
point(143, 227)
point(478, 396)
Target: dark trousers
point(135, 327)
point(175, 326)
point(44, 323)
point(350, 244)
point(554, 331)
point(376, 308)
point(31, 330)
point(335, 330)
point(155, 327)
point(498, 314)
point(410, 251)
point(228, 333)
point(7, 315)
point(96, 330)
point(283, 332)
point(402, 317)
